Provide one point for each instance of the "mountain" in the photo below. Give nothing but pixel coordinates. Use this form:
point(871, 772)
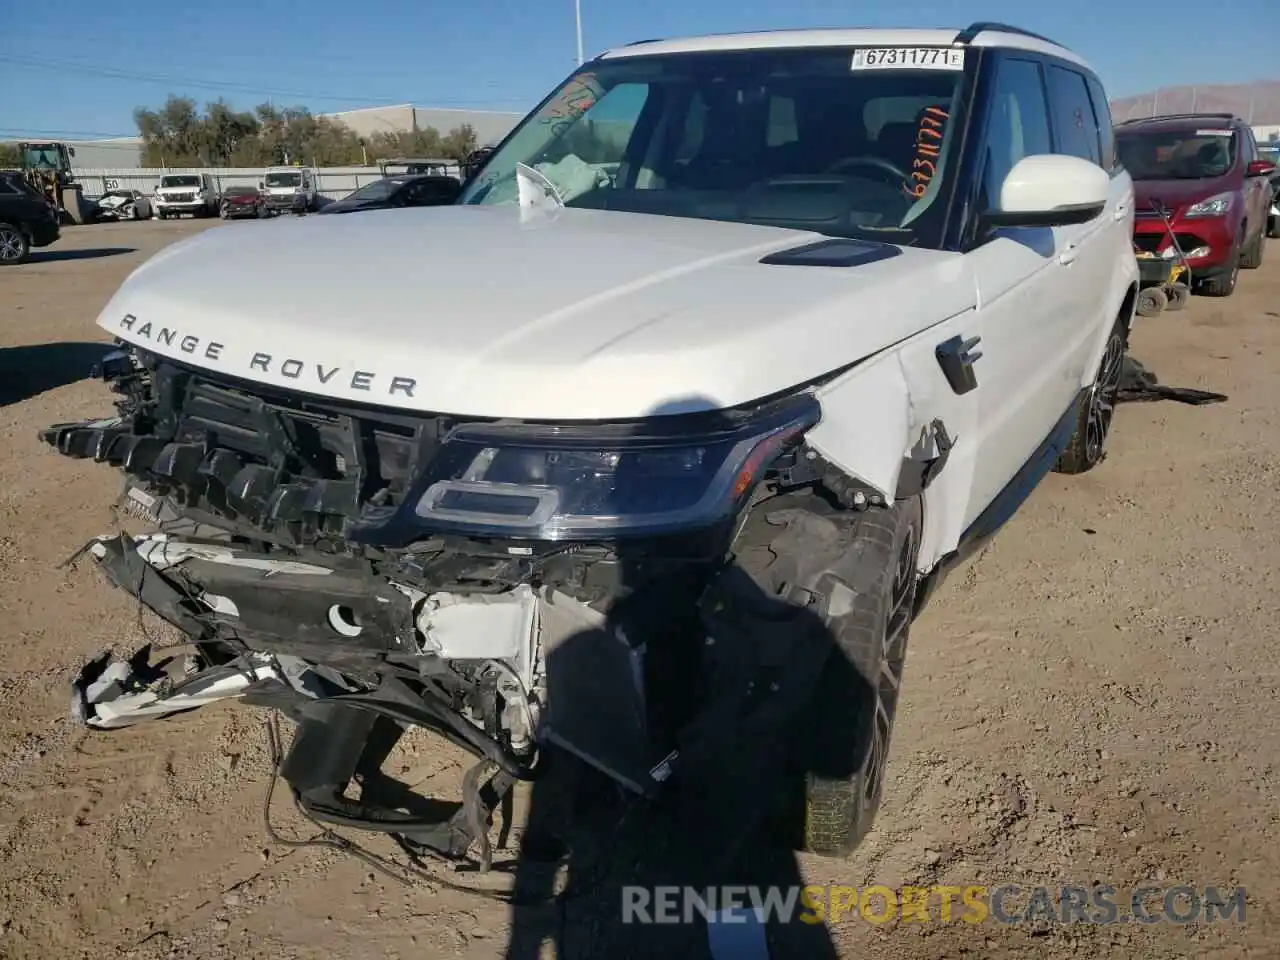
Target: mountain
point(1258, 103)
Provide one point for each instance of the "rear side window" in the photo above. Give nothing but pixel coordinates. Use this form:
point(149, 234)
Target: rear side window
point(1017, 124)
point(1074, 126)
point(1106, 129)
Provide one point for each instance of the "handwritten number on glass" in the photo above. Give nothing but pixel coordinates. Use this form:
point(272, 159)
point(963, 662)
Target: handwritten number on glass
point(928, 146)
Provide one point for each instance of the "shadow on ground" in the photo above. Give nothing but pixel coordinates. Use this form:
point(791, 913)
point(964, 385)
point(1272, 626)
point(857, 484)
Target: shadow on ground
point(31, 370)
point(92, 253)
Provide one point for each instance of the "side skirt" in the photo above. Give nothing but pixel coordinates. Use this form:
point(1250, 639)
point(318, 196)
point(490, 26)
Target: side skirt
point(1006, 502)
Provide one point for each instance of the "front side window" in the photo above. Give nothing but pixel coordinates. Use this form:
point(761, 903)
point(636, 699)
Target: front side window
point(1017, 125)
point(1177, 154)
point(1074, 125)
point(792, 138)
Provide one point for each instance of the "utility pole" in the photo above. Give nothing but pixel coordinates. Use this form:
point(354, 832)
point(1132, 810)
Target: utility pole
point(577, 14)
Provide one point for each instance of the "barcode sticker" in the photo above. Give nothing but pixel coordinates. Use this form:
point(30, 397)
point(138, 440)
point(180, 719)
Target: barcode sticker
point(908, 58)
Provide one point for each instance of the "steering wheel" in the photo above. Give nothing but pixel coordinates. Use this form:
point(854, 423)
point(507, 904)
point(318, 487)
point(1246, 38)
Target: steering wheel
point(878, 163)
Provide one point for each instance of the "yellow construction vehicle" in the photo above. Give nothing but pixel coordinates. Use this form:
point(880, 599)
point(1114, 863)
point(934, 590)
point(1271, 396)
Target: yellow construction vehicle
point(47, 167)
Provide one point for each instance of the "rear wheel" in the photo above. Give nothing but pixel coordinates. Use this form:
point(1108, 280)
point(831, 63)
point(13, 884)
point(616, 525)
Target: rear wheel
point(1087, 446)
point(15, 246)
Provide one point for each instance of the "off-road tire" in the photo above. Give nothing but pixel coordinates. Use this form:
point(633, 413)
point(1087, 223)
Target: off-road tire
point(1251, 257)
point(858, 573)
point(1151, 302)
point(1088, 444)
point(15, 245)
point(1273, 228)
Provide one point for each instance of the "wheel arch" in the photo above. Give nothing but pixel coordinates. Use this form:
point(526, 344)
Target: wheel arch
point(894, 424)
point(1125, 314)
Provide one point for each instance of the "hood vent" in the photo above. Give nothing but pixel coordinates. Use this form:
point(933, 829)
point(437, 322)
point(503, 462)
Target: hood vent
point(835, 252)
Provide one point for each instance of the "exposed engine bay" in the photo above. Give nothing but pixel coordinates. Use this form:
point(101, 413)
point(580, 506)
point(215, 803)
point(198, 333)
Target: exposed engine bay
point(348, 566)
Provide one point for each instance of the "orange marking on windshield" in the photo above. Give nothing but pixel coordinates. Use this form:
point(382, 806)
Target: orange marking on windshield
point(929, 133)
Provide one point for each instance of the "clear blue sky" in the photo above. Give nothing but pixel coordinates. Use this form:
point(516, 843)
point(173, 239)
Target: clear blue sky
point(75, 68)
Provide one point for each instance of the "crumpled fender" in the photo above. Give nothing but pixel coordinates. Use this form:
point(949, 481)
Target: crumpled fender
point(881, 423)
point(866, 422)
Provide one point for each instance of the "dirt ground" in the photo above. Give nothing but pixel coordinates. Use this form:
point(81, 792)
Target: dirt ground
point(1093, 701)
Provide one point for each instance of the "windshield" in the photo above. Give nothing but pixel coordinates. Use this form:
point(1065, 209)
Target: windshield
point(284, 179)
point(378, 190)
point(794, 138)
point(239, 192)
point(1176, 154)
point(42, 156)
point(180, 181)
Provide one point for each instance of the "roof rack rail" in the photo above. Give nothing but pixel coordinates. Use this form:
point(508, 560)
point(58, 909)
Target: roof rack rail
point(970, 33)
point(1178, 116)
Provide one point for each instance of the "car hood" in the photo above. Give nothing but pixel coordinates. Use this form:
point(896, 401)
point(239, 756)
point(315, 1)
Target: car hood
point(1176, 194)
point(348, 206)
point(485, 311)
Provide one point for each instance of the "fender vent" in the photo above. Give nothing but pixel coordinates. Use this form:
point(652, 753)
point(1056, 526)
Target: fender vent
point(836, 252)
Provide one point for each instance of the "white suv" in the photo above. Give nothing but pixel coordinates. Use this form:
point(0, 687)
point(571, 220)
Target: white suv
point(195, 193)
point(650, 447)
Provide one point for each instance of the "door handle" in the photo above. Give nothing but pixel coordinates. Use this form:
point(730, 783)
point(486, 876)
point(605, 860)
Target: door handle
point(1069, 253)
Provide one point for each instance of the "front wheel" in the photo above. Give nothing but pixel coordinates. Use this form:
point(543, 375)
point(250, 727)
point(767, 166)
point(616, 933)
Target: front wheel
point(1224, 284)
point(855, 575)
point(1151, 302)
point(1087, 446)
point(15, 246)
point(1179, 294)
point(1251, 258)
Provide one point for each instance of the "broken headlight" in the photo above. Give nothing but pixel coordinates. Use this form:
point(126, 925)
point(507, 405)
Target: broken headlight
point(575, 482)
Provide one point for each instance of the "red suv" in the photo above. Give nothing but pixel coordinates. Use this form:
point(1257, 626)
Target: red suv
point(1205, 170)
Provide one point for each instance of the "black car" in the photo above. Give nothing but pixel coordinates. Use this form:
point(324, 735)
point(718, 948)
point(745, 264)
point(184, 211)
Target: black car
point(427, 190)
point(27, 219)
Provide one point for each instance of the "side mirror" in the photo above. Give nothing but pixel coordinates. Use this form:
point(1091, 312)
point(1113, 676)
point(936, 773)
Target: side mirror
point(71, 151)
point(1260, 168)
point(1049, 190)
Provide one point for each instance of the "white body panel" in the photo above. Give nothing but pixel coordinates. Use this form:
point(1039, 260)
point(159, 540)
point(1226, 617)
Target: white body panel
point(578, 316)
point(570, 314)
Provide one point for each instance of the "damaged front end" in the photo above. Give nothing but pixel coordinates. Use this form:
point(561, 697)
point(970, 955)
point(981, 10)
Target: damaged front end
point(503, 584)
